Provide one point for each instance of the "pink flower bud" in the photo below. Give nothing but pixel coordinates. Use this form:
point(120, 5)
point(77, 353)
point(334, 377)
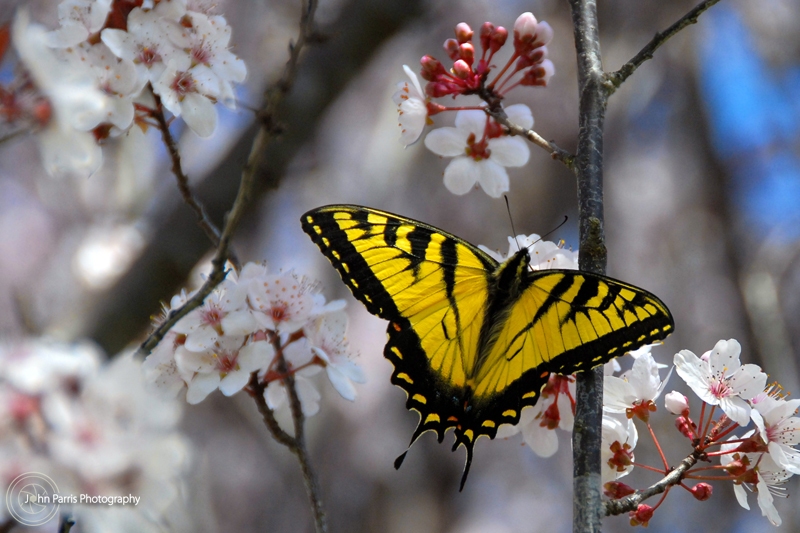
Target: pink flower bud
point(525, 28)
point(702, 491)
point(452, 48)
point(539, 74)
point(544, 34)
point(499, 37)
point(676, 403)
point(468, 53)
point(461, 69)
point(616, 490)
point(486, 34)
point(641, 516)
point(538, 55)
point(685, 426)
point(437, 89)
point(431, 68)
point(463, 33)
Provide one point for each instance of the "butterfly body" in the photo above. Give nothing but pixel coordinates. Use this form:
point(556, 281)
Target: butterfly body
point(473, 341)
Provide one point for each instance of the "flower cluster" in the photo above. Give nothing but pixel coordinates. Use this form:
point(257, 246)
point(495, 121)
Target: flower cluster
point(481, 147)
point(762, 459)
point(94, 427)
point(111, 65)
point(256, 322)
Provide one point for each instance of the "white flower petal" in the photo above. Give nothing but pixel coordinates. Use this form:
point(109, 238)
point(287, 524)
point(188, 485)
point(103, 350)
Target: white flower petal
point(737, 409)
point(447, 142)
point(415, 82)
point(234, 382)
point(741, 496)
point(461, 175)
point(765, 502)
point(471, 121)
point(341, 383)
point(509, 151)
point(201, 386)
point(199, 114)
point(520, 114)
point(492, 178)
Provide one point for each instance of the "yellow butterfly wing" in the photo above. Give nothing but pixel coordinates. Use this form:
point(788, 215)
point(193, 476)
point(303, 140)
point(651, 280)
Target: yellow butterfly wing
point(566, 321)
point(430, 285)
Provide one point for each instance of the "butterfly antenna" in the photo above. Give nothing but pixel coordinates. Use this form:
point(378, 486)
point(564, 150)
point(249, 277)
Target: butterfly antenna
point(551, 231)
point(511, 219)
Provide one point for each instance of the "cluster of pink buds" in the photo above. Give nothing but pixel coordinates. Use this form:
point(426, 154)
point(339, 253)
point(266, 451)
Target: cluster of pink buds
point(469, 77)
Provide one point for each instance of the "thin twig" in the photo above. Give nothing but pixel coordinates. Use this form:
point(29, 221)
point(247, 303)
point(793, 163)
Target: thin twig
point(616, 79)
point(257, 392)
point(515, 129)
point(273, 96)
point(299, 448)
point(182, 179)
point(630, 503)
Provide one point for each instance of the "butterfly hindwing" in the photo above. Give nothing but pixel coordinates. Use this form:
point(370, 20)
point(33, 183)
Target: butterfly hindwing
point(472, 341)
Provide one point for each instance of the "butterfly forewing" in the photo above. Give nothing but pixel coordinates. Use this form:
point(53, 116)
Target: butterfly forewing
point(417, 277)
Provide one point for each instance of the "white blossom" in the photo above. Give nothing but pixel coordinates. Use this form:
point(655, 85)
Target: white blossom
point(190, 92)
point(412, 108)
point(478, 160)
point(326, 336)
point(639, 385)
point(617, 428)
point(544, 255)
point(78, 19)
point(780, 430)
point(722, 380)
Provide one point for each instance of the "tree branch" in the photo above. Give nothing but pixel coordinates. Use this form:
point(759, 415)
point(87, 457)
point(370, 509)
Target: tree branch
point(616, 79)
point(514, 129)
point(631, 503)
point(588, 168)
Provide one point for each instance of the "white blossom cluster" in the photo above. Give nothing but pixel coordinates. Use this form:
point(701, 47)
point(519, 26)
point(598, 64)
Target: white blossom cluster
point(100, 69)
point(242, 327)
point(762, 459)
point(94, 428)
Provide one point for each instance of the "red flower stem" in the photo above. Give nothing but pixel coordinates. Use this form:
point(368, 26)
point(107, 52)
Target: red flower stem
point(717, 454)
point(658, 447)
point(639, 465)
point(722, 434)
point(715, 467)
point(511, 87)
point(710, 478)
point(516, 69)
point(510, 61)
point(700, 422)
point(662, 498)
point(708, 424)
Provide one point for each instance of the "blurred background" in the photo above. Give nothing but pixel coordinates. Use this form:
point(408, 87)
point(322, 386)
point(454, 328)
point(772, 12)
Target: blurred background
point(701, 202)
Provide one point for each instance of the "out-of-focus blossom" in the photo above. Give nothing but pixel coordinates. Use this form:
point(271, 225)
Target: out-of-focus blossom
point(66, 145)
point(78, 19)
